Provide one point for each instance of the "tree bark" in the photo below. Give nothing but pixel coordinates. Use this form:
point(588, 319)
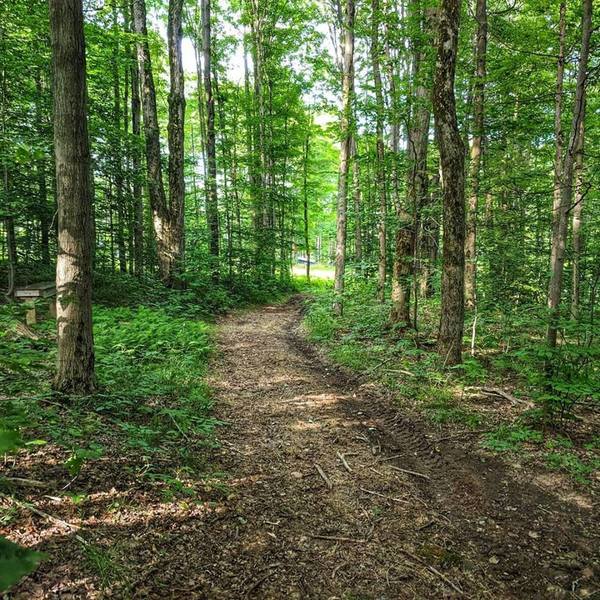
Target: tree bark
point(346, 137)
point(416, 193)
point(75, 367)
point(212, 206)
point(356, 196)
point(176, 138)
point(476, 152)
point(576, 224)
point(136, 163)
point(379, 151)
point(167, 220)
point(559, 232)
point(452, 158)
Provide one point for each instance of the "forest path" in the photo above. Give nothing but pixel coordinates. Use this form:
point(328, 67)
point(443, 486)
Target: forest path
point(318, 504)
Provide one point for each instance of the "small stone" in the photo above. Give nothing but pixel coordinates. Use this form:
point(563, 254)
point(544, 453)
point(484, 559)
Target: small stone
point(494, 560)
point(296, 475)
point(534, 535)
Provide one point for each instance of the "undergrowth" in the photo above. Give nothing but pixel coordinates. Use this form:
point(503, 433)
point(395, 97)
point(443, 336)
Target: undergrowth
point(509, 355)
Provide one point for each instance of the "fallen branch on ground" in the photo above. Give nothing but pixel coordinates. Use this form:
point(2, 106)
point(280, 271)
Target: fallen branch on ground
point(415, 473)
point(325, 478)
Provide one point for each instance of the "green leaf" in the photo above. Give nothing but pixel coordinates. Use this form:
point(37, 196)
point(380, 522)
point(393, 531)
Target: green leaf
point(9, 440)
point(15, 563)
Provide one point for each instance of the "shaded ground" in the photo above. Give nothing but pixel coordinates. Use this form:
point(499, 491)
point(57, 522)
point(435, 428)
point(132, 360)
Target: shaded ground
point(327, 492)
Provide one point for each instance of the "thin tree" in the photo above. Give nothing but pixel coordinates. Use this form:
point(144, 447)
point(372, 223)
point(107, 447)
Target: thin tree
point(167, 219)
point(379, 150)
point(345, 150)
point(559, 231)
point(452, 159)
point(476, 152)
point(212, 207)
point(75, 366)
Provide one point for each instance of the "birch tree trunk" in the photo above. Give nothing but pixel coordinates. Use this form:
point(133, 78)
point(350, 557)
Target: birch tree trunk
point(346, 137)
point(75, 364)
point(452, 157)
point(476, 152)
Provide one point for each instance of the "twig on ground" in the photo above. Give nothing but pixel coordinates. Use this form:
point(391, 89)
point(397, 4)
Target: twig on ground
point(432, 569)
point(34, 509)
point(409, 472)
point(325, 478)
point(374, 493)
point(24, 481)
point(338, 538)
point(344, 462)
point(391, 457)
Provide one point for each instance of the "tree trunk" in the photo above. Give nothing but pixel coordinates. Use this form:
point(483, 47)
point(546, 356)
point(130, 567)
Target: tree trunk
point(212, 206)
point(168, 231)
point(346, 137)
point(305, 201)
point(176, 131)
point(136, 163)
point(356, 195)
point(577, 237)
point(452, 158)
point(116, 146)
point(416, 194)
point(380, 151)
point(75, 368)
point(559, 230)
point(476, 151)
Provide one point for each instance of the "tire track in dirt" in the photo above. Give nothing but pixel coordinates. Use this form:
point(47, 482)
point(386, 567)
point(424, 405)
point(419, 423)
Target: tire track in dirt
point(320, 501)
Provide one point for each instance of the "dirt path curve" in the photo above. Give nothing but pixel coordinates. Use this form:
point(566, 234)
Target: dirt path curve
point(318, 505)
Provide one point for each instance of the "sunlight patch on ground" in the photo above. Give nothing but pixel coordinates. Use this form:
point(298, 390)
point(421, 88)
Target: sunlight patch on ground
point(316, 271)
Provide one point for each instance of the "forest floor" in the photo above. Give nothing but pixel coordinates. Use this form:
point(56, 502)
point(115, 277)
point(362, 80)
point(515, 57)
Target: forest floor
point(320, 488)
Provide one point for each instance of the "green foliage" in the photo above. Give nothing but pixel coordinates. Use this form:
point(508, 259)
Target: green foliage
point(509, 438)
point(572, 464)
point(15, 563)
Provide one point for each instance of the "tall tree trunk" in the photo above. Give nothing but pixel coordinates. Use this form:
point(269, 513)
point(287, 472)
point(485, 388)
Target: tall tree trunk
point(44, 213)
point(452, 158)
point(476, 151)
point(136, 163)
point(75, 368)
point(346, 137)
point(576, 224)
point(356, 195)
point(379, 149)
point(416, 192)
point(559, 231)
point(305, 200)
point(116, 146)
point(175, 132)
point(167, 220)
point(211, 153)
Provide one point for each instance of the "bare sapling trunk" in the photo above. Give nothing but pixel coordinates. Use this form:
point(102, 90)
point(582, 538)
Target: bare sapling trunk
point(476, 153)
point(346, 137)
point(75, 364)
point(560, 223)
point(452, 159)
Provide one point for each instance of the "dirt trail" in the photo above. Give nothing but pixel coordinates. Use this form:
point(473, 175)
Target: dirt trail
point(319, 505)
